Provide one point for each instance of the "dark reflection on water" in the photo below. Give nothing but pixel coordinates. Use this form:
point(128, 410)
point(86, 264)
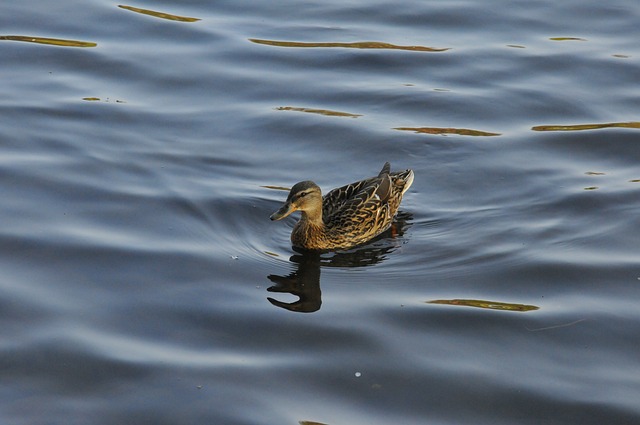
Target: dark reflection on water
point(304, 282)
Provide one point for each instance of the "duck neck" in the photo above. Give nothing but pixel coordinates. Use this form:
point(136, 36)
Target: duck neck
point(313, 217)
point(308, 231)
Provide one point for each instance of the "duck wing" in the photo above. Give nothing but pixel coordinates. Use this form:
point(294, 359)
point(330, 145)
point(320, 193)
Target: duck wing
point(364, 214)
point(337, 198)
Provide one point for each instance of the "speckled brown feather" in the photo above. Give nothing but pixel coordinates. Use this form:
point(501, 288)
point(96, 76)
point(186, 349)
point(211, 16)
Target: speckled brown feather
point(352, 214)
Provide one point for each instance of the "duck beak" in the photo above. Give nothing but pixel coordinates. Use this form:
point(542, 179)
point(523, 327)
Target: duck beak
point(284, 211)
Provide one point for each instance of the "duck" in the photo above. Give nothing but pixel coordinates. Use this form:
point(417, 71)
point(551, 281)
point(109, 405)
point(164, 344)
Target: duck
point(347, 216)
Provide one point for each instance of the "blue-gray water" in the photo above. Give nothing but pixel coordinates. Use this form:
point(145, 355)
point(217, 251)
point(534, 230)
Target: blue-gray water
point(143, 282)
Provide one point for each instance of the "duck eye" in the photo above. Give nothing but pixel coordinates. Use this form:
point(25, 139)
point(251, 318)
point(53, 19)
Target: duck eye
point(303, 194)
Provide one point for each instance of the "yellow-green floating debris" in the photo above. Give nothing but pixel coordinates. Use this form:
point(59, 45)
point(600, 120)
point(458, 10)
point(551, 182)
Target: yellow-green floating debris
point(49, 41)
point(581, 127)
point(319, 111)
point(448, 130)
point(356, 45)
point(160, 15)
point(492, 305)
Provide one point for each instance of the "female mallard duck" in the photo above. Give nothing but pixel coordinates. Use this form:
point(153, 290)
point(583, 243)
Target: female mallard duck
point(347, 216)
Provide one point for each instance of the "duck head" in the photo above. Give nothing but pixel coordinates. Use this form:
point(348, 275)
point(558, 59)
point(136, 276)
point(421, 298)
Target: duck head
point(304, 196)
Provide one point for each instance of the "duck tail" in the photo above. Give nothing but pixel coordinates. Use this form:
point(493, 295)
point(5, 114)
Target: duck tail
point(408, 180)
point(386, 169)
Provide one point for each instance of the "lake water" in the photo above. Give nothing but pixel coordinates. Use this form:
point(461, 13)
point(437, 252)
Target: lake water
point(143, 282)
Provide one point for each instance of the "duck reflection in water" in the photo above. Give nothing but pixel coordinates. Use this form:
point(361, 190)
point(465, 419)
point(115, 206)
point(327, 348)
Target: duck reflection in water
point(304, 282)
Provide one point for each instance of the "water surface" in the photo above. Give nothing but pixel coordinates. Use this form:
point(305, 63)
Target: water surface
point(142, 146)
